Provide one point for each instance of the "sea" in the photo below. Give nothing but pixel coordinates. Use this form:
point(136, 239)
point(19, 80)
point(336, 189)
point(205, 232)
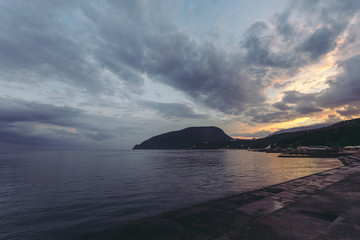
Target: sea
point(55, 195)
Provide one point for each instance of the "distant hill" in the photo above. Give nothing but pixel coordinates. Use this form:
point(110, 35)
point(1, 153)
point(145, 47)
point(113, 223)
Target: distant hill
point(337, 135)
point(297, 129)
point(185, 139)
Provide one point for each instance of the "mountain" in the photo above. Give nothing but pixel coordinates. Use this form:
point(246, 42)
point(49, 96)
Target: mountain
point(187, 138)
point(337, 135)
point(303, 128)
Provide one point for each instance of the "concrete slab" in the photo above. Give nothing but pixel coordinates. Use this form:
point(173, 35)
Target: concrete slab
point(352, 215)
point(261, 207)
point(291, 195)
point(284, 201)
point(296, 225)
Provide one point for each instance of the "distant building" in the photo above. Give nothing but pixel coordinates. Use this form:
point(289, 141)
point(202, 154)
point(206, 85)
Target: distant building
point(351, 149)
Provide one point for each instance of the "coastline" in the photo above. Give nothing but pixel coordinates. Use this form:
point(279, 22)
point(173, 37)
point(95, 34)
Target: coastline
point(267, 213)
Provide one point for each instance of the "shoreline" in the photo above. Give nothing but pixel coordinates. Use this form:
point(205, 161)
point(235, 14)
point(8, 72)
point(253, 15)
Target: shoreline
point(236, 215)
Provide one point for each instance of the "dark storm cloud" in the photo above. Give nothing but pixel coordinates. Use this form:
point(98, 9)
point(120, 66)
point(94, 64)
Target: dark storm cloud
point(99, 136)
point(319, 43)
point(170, 56)
point(281, 106)
point(271, 117)
point(329, 9)
point(266, 114)
point(293, 105)
point(258, 134)
point(35, 45)
point(283, 26)
point(172, 110)
point(306, 107)
point(350, 111)
point(15, 110)
point(9, 134)
point(258, 43)
point(300, 103)
point(27, 135)
point(292, 97)
point(344, 89)
point(44, 124)
point(129, 40)
point(333, 118)
point(298, 40)
point(327, 21)
point(295, 97)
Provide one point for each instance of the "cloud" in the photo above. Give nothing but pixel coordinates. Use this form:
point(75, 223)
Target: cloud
point(333, 118)
point(283, 26)
point(293, 104)
point(258, 134)
point(293, 97)
point(74, 43)
point(38, 47)
point(322, 41)
point(38, 124)
point(350, 111)
point(281, 106)
point(108, 47)
point(266, 114)
point(206, 74)
point(100, 136)
point(172, 110)
point(306, 107)
point(344, 88)
point(9, 134)
point(343, 91)
point(16, 110)
point(299, 36)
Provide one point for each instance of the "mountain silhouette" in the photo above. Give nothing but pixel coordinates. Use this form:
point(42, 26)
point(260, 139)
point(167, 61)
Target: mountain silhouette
point(187, 138)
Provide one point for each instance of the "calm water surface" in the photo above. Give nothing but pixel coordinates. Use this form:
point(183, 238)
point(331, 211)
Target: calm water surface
point(62, 195)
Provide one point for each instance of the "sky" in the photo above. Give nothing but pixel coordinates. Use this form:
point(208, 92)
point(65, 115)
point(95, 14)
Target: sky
point(103, 74)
